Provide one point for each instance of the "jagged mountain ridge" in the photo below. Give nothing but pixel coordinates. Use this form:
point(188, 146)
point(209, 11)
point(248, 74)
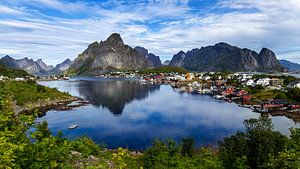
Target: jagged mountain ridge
point(224, 57)
point(152, 58)
point(38, 67)
point(104, 56)
point(290, 66)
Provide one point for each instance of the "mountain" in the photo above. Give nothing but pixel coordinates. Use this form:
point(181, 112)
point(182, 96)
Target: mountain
point(153, 59)
point(108, 55)
point(177, 59)
point(59, 68)
point(224, 57)
point(28, 65)
point(43, 65)
point(12, 73)
point(166, 63)
point(38, 67)
point(290, 66)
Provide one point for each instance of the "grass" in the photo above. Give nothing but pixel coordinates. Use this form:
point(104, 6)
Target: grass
point(30, 92)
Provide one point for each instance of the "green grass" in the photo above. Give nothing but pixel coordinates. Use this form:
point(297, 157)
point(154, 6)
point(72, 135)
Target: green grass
point(30, 92)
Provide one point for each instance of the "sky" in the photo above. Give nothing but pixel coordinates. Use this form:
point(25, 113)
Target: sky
point(55, 30)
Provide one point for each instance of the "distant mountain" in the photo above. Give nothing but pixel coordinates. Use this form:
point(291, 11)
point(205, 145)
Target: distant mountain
point(28, 65)
point(290, 66)
point(59, 68)
point(153, 59)
point(178, 59)
point(38, 67)
point(222, 57)
point(108, 55)
point(166, 63)
point(12, 73)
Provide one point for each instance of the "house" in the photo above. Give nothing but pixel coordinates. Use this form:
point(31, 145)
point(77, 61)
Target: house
point(240, 93)
point(19, 79)
point(247, 76)
point(206, 78)
point(250, 83)
point(295, 84)
point(189, 76)
point(263, 82)
point(228, 91)
point(246, 97)
point(275, 82)
point(2, 78)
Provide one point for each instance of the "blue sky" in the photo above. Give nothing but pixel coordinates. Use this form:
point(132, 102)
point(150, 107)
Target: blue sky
point(58, 29)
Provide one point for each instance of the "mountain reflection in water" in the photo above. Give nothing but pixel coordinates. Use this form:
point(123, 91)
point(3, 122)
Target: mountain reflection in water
point(114, 94)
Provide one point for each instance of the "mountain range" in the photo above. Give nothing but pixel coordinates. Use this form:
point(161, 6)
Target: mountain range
point(38, 67)
point(113, 55)
point(224, 57)
point(290, 66)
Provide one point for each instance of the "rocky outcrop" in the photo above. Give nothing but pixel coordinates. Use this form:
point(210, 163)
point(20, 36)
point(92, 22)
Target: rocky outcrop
point(224, 57)
point(177, 59)
point(153, 59)
point(109, 55)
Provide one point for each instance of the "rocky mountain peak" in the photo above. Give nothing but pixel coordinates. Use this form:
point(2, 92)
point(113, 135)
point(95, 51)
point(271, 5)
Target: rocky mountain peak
point(141, 50)
point(115, 39)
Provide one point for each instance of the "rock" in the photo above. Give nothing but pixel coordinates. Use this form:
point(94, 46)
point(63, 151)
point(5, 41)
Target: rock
point(106, 56)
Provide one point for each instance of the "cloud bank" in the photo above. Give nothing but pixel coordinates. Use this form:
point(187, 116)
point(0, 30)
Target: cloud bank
point(58, 29)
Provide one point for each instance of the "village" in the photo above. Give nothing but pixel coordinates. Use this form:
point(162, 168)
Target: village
point(235, 87)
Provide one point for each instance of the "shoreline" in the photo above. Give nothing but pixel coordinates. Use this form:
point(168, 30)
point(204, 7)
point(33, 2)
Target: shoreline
point(44, 106)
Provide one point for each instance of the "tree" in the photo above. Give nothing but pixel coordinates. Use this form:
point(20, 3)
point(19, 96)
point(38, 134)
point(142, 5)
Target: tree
point(257, 144)
point(187, 146)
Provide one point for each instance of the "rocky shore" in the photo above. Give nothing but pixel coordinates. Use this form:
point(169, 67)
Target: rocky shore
point(45, 105)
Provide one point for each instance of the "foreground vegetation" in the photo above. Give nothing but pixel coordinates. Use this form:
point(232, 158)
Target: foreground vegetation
point(28, 92)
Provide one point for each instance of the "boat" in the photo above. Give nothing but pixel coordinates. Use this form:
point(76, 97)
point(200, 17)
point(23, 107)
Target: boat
point(73, 126)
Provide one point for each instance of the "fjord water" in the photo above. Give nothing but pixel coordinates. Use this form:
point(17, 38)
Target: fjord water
point(125, 113)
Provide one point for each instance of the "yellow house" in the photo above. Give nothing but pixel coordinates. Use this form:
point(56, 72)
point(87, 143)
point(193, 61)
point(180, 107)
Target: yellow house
point(189, 76)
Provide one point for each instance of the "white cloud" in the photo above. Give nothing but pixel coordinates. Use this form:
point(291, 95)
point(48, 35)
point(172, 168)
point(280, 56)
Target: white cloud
point(164, 27)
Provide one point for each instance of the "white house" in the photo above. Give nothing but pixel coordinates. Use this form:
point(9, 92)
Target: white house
point(19, 79)
point(263, 82)
point(206, 78)
point(247, 76)
point(294, 85)
point(250, 83)
point(2, 78)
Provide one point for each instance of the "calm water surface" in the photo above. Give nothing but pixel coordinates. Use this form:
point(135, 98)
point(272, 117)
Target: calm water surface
point(125, 113)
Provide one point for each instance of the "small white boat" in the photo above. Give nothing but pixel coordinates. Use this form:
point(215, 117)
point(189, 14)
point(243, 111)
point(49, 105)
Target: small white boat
point(73, 126)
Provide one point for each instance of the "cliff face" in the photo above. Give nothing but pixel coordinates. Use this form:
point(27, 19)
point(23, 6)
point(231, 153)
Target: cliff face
point(108, 55)
point(153, 59)
point(222, 56)
point(177, 59)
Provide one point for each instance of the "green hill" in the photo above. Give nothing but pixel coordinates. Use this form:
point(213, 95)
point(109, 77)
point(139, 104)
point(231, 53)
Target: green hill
point(12, 73)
